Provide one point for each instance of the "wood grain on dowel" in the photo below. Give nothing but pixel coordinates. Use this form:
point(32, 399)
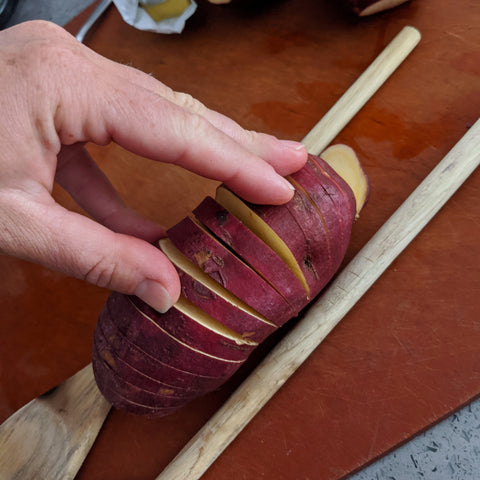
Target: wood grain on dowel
point(60, 427)
point(348, 287)
point(362, 90)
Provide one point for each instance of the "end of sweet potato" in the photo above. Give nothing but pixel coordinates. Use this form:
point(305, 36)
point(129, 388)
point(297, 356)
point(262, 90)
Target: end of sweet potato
point(346, 164)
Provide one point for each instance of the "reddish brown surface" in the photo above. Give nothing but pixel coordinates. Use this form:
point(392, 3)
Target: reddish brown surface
point(408, 353)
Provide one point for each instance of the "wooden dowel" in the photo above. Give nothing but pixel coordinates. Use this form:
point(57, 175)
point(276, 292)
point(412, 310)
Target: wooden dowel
point(362, 90)
point(324, 315)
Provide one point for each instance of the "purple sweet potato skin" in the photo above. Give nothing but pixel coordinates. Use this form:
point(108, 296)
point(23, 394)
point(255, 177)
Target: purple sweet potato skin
point(110, 380)
point(110, 340)
point(338, 190)
point(316, 238)
point(227, 314)
point(159, 344)
point(135, 374)
point(334, 199)
point(152, 364)
point(252, 250)
point(134, 379)
point(225, 268)
point(126, 400)
point(286, 227)
point(192, 333)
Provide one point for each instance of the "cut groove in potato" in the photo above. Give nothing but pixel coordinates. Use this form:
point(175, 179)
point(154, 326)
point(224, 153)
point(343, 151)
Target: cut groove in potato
point(240, 210)
point(232, 233)
point(191, 310)
point(201, 247)
point(181, 262)
point(139, 378)
point(183, 343)
point(117, 378)
point(299, 187)
point(112, 338)
point(115, 383)
point(238, 257)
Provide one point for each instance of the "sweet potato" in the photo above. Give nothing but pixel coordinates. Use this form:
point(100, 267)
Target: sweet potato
point(194, 328)
point(228, 270)
point(110, 341)
point(245, 269)
point(110, 380)
point(227, 311)
point(121, 402)
point(252, 249)
point(160, 344)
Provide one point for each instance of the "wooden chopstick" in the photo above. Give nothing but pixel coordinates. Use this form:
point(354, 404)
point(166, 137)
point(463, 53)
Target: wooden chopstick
point(362, 90)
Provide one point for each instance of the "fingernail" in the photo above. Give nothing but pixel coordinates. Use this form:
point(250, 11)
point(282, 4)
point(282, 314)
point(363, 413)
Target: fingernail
point(297, 146)
point(289, 185)
point(154, 294)
point(285, 184)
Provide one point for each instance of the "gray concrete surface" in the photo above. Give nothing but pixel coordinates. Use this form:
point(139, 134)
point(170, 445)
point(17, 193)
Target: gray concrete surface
point(448, 451)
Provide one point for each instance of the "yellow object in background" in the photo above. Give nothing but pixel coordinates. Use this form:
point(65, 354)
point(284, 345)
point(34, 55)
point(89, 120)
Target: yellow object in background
point(166, 9)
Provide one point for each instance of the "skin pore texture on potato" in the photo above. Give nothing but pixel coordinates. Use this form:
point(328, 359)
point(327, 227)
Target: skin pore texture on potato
point(245, 270)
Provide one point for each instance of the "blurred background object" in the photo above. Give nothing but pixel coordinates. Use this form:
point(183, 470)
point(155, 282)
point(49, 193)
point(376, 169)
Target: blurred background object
point(7, 7)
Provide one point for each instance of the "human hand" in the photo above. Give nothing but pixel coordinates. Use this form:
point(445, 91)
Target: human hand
point(56, 94)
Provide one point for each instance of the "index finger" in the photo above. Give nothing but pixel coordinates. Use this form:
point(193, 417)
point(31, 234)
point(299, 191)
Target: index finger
point(151, 126)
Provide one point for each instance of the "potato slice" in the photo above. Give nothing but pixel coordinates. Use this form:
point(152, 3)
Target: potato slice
point(240, 321)
point(218, 262)
point(162, 345)
point(110, 382)
point(135, 375)
point(263, 230)
point(113, 341)
point(188, 324)
point(182, 263)
point(337, 225)
point(322, 249)
point(254, 251)
point(126, 404)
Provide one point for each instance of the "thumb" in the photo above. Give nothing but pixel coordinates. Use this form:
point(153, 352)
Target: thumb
point(78, 246)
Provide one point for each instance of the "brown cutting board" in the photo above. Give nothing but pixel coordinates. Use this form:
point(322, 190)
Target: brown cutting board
point(407, 355)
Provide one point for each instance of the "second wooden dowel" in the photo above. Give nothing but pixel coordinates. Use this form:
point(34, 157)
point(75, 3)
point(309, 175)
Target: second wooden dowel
point(324, 315)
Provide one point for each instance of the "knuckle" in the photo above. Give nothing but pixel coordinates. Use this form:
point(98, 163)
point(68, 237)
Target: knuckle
point(199, 126)
point(103, 273)
point(251, 136)
point(191, 128)
point(44, 27)
point(186, 101)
